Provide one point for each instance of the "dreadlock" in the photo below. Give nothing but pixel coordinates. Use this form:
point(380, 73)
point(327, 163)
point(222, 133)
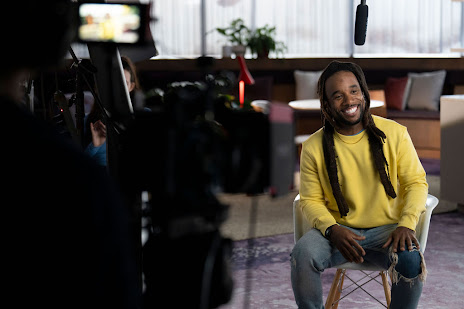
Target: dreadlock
point(375, 135)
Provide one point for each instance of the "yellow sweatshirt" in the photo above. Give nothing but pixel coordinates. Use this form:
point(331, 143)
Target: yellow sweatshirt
point(369, 205)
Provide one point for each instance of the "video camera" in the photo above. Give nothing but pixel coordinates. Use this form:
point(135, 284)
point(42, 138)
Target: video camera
point(259, 151)
point(189, 145)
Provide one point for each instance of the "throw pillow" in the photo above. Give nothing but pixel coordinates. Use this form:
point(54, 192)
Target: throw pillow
point(394, 92)
point(306, 84)
point(424, 90)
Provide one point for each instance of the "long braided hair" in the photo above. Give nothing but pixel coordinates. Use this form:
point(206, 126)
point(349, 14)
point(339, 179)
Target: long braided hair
point(375, 135)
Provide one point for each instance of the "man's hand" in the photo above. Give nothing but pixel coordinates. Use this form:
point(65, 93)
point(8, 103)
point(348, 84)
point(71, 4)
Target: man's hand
point(346, 242)
point(401, 238)
point(98, 130)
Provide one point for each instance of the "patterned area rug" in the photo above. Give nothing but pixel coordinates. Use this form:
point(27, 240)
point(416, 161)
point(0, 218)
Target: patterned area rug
point(261, 271)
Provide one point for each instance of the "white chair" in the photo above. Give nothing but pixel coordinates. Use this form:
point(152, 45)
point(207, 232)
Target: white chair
point(301, 226)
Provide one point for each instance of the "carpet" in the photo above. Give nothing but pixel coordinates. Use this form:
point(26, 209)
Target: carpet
point(261, 271)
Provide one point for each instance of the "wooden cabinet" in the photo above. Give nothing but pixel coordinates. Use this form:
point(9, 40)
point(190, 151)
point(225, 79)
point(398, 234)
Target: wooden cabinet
point(425, 135)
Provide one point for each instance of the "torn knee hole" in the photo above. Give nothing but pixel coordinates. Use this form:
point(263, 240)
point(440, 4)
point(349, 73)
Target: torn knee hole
point(396, 275)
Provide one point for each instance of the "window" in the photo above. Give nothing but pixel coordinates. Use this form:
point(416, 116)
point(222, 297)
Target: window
point(412, 27)
point(312, 28)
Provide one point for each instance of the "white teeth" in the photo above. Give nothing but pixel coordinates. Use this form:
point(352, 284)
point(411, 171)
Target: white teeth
point(351, 110)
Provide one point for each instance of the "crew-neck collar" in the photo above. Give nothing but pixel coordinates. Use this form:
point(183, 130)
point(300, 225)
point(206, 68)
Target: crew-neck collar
point(351, 139)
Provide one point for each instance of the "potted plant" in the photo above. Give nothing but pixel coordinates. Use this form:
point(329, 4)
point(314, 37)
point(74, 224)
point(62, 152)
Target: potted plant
point(262, 41)
point(237, 34)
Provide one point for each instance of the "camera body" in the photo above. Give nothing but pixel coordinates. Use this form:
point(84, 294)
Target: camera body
point(187, 148)
point(198, 143)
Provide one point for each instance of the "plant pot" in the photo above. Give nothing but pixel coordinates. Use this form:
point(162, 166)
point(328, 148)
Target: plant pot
point(263, 54)
point(239, 50)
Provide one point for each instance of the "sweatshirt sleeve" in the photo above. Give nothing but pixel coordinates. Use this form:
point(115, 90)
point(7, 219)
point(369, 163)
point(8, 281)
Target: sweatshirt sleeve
point(413, 182)
point(97, 153)
point(312, 199)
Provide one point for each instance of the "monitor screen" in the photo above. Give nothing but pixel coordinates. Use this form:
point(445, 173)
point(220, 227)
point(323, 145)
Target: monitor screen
point(119, 23)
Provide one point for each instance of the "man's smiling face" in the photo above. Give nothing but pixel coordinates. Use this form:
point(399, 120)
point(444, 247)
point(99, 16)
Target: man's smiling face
point(346, 101)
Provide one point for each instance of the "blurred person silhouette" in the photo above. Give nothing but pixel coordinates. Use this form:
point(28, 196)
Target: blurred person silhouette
point(95, 124)
point(66, 239)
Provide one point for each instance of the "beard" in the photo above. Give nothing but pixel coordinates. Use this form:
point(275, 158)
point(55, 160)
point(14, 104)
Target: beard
point(343, 122)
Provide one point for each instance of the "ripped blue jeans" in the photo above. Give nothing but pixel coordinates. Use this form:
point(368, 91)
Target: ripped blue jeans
point(313, 253)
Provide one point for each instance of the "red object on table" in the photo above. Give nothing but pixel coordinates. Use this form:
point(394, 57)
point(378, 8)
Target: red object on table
point(244, 78)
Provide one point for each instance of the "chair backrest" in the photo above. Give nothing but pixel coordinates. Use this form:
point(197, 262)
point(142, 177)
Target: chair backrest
point(301, 225)
point(422, 228)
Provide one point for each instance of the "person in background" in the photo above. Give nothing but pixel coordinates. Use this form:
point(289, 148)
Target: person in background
point(66, 240)
point(95, 126)
point(363, 189)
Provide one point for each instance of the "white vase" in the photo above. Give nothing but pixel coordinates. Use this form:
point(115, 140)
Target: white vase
point(226, 51)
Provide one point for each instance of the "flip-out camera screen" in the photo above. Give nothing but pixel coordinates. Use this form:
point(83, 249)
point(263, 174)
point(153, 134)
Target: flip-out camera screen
point(119, 23)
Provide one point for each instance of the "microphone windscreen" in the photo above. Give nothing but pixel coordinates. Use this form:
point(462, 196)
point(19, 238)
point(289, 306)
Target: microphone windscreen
point(360, 25)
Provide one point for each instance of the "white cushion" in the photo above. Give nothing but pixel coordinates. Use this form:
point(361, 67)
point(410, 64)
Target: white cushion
point(423, 90)
point(306, 84)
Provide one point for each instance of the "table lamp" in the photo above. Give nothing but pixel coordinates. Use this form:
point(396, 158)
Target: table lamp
point(243, 78)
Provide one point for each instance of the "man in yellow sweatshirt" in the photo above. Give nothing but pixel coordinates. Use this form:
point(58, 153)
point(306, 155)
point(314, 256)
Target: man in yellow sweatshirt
point(363, 189)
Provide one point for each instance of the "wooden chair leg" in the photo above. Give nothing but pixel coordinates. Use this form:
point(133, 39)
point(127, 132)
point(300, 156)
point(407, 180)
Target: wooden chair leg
point(335, 289)
point(336, 299)
point(386, 288)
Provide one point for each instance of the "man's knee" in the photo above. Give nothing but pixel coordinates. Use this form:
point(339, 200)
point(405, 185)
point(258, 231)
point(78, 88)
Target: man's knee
point(312, 248)
point(407, 265)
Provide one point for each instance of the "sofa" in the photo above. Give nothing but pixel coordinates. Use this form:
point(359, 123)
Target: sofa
point(424, 129)
point(412, 100)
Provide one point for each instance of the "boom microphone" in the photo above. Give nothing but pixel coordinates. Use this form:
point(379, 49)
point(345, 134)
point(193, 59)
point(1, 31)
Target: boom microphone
point(360, 25)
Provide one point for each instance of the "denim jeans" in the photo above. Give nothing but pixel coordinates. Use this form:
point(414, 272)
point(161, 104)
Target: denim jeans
point(313, 253)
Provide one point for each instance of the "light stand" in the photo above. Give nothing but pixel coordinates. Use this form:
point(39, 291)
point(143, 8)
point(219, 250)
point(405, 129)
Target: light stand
point(82, 68)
